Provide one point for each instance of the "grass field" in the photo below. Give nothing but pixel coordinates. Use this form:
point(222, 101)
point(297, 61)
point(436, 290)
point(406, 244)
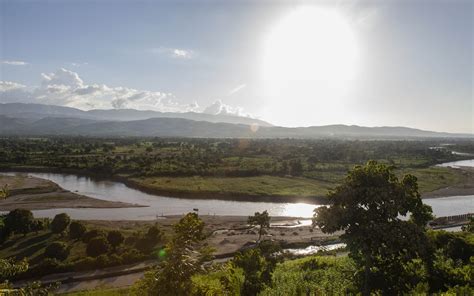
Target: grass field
point(429, 179)
point(248, 186)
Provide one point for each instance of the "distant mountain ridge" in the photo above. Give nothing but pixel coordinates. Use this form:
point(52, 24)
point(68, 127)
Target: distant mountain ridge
point(38, 111)
point(179, 127)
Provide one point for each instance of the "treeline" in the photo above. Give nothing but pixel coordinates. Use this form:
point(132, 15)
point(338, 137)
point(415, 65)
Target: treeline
point(217, 157)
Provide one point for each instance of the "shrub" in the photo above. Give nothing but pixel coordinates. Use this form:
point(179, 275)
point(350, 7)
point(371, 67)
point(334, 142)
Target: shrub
point(60, 223)
point(76, 230)
point(144, 245)
point(92, 234)
point(97, 246)
point(102, 261)
point(115, 259)
point(154, 234)
point(84, 264)
point(131, 256)
point(115, 238)
point(57, 250)
point(19, 221)
point(37, 225)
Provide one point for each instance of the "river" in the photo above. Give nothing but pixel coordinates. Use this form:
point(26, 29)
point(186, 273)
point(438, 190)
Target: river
point(158, 206)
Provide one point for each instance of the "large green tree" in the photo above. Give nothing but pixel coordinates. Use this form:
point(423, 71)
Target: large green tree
point(383, 219)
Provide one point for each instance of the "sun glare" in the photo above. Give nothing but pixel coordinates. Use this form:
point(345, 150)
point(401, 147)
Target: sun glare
point(308, 55)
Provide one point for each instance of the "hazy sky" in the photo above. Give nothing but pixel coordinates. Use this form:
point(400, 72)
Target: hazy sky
point(293, 63)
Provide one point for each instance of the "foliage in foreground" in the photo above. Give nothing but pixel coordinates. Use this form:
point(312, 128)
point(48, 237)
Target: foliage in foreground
point(182, 256)
point(314, 275)
point(367, 207)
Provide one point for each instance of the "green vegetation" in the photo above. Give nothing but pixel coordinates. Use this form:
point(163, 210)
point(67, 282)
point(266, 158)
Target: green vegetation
point(102, 292)
point(262, 220)
point(367, 206)
point(49, 251)
point(234, 168)
point(387, 255)
point(60, 223)
point(4, 192)
point(173, 276)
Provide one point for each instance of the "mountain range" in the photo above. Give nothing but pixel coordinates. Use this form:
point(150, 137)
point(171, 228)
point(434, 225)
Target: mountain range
point(37, 119)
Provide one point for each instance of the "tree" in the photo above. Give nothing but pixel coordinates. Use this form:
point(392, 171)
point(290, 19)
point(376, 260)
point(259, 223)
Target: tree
point(76, 230)
point(97, 246)
point(296, 167)
point(60, 223)
point(115, 238)
point(253, 265)
point(154, 234)
point(260, 219)
point(19, 221)
point(173, 276)
point(37, 225)
point(57, 250)
point(368, 206)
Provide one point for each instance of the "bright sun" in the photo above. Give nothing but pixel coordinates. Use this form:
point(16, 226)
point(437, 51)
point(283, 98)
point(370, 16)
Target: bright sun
point(309, 58)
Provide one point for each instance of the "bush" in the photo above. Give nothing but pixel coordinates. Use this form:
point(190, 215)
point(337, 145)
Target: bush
point(84, 264)
point(97, 246)
point(47, 266)
point(131, 256)
point(19, 221)
point(114, 260)
point(92, 234)
point(102, 261)
point(115, 238)
point(76, 230)
point(57, 250)
point(60, 223)
point(37, 225)
point(145, 245)
point(154, 234)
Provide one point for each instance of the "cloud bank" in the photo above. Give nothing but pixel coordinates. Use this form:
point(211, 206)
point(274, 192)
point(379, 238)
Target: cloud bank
point(219, 108)
point(66, 88)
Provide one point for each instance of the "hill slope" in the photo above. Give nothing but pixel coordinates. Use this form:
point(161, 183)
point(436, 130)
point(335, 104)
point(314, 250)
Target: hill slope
point(179, 127)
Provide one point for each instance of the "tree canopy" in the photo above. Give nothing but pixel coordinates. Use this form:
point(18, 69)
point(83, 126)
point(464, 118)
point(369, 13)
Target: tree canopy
point(260, 219)
point(384, 222)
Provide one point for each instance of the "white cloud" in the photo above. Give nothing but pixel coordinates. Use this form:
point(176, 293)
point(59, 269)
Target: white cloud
point(74, 64)
point(177, 53)
point(237, 89)
point(219, 108)
point(13, 92)
point(14, 63)
point(66, 88)
point(182, 53)
point(9, 86)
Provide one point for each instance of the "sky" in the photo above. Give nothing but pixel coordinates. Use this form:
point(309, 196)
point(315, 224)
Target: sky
point(292, 63)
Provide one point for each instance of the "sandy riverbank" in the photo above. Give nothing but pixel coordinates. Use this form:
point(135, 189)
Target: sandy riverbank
point(33, 193)
point(228, 234)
